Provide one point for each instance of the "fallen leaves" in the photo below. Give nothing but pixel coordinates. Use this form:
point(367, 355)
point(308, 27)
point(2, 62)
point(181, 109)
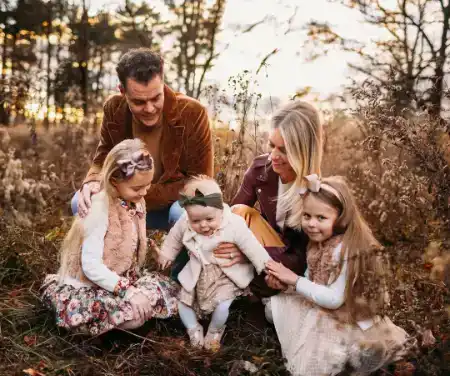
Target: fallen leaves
point(404, 369)
point(32, 372)
point(428, 339)
point(30, 340)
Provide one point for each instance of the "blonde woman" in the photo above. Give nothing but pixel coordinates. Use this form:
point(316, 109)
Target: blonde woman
point(332, 317)
point(273, 181)
point(100, 284)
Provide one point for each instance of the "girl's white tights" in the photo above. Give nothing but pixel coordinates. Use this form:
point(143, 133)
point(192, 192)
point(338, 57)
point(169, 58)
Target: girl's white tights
point(218, 319)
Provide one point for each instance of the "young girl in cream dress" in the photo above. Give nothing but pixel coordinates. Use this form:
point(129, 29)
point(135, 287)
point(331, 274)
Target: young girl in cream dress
point(330, 319)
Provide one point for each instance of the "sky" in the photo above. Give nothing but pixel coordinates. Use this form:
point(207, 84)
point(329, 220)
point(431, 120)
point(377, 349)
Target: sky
point(288, 69)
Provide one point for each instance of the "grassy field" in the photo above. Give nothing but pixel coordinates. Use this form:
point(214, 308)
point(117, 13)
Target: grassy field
point(30, 344)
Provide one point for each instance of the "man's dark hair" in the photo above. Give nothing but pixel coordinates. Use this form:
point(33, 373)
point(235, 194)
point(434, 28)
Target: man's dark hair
point(140, 64)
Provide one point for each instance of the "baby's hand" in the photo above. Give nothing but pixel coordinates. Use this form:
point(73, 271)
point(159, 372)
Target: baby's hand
point(162, 261)
point(153, 246)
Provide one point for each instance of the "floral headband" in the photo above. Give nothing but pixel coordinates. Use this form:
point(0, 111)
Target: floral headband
point(140, 160)
point(314, 184)
point(214, 200)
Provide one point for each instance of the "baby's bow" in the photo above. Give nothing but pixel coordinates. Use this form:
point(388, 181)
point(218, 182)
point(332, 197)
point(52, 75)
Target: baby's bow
point(214, 200)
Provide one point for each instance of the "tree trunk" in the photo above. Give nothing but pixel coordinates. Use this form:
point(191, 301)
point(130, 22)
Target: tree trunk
point(49, 61)
point(4, 116)
point(83, 63)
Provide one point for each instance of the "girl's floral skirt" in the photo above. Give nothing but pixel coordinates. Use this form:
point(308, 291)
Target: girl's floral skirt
point(94, 310)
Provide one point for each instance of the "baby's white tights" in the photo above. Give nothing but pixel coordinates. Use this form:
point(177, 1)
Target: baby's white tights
point(218, 319)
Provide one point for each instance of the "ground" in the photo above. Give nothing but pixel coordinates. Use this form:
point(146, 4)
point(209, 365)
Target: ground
point(30, 343)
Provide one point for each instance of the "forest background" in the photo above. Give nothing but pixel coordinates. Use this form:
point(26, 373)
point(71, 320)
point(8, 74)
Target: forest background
point(379, 72)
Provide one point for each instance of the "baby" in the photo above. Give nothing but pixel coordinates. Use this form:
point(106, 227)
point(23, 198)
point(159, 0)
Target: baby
point(208, 286)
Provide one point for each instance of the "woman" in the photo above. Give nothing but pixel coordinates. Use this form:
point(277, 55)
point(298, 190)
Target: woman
point(274, 181)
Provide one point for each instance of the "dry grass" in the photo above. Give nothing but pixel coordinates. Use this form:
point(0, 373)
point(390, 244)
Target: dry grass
point(30, 341)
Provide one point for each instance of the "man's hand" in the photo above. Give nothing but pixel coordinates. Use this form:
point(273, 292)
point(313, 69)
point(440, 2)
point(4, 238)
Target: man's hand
point(231, 252)
point(84, 197)
point(280, 272)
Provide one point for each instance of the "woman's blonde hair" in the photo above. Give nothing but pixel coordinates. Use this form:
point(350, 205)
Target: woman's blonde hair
point(301, 128)
point(111, 171)
point(366, 291)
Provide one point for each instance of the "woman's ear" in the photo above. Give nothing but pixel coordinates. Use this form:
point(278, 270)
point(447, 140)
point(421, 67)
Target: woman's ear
point(114, 182)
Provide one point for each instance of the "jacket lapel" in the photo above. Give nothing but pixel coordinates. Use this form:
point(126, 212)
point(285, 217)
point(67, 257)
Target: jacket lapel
point(117, 127)
point(172, 135)
point(267, 192)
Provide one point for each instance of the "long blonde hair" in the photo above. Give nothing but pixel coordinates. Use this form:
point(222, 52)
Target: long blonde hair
point(365, 292)
point(110, 172)
point(301, 128)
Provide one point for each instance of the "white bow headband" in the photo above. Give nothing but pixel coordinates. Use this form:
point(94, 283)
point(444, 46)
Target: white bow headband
point(314, 184)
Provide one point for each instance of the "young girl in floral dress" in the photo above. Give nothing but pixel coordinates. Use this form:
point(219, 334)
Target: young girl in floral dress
point(329, 319)
point(100, 284)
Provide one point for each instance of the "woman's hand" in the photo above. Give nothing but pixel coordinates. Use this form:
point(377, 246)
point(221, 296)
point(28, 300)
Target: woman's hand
point(280, 272)
point(142, 309)
point(231, 252)
point(275, 283)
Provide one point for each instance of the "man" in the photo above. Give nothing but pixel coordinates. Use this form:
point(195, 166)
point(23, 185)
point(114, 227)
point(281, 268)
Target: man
point(174, 127)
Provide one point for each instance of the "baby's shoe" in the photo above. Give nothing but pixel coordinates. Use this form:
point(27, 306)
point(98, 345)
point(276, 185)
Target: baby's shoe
point(196, 336)
point(213, 337)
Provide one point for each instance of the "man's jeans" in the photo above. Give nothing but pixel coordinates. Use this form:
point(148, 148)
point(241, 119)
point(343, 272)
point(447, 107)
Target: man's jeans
point(162, 219)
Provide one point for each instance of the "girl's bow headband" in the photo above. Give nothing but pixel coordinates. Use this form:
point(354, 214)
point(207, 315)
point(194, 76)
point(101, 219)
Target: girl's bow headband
point(214, 200)
point(140, 160)
point(314, 184)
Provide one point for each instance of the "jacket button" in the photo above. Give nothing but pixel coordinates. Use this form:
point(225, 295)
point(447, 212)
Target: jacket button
point(259, 190)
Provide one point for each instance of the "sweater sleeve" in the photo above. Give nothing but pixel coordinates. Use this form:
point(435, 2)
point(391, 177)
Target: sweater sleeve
point(174, 240)
point(95, 226)
point(105, 143)
point(199, 160)
point(249, 245)
point(330, 297)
